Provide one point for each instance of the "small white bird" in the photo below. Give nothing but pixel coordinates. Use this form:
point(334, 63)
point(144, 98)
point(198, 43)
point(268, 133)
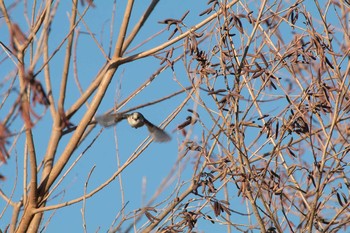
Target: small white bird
point(135, 120)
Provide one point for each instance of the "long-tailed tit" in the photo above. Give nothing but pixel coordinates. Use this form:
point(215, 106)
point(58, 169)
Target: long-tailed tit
point(135, 120)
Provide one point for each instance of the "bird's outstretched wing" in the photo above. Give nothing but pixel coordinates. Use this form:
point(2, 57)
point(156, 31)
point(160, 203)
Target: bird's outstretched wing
point(157, 133)
point(109, 120)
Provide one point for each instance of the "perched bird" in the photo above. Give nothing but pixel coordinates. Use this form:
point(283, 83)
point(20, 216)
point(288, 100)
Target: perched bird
point(135, 120)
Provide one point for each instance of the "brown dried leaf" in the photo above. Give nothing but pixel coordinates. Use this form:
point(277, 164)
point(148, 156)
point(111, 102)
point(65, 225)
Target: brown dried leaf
point(210, 218)
point(291, 153)
point(89, 2)
point(277, 129)
point(329, 63)
point(264, 60)
point(24, 110)
point(225, 209)
point(217, 208)
point(344, 197)
point(310, 176)
point(296, 188)
point(258, 74)
point(275, 174)
point(17, 36)
point(207, 11)
point(185, 123)
point(237, 22)
point(4, 134)
point(339, 200)
point(150, 217)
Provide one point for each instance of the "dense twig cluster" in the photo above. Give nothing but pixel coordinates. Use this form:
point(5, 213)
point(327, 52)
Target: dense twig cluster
point(269, 85)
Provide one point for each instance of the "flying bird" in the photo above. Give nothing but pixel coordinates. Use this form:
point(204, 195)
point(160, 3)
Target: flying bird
point(135, 120)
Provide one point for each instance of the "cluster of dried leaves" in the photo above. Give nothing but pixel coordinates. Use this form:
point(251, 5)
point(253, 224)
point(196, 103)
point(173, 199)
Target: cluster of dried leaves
point(29, 86)
point(284, 160)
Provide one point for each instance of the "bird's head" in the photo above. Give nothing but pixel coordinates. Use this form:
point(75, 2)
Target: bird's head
point(136, 120)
